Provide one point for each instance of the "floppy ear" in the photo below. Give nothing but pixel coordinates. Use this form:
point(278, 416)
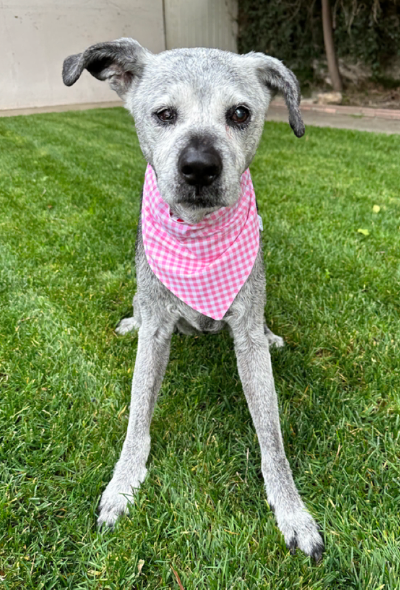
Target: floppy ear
point(119, 62)
point(279, 78)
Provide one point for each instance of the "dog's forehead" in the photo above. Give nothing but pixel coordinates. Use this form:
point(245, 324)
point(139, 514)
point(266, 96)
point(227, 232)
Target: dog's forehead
point(204, 70)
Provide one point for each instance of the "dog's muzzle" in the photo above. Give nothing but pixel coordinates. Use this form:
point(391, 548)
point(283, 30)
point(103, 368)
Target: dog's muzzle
point(199, 163)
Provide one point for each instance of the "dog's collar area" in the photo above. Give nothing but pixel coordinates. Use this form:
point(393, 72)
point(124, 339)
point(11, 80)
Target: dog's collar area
point(180, 220)
point(175, 218)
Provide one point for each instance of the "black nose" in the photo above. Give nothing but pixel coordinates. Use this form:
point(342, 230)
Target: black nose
point(199, 163)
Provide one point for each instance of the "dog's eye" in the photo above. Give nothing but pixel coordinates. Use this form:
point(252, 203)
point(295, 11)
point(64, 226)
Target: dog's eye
point(240, 115)
point(166, 115)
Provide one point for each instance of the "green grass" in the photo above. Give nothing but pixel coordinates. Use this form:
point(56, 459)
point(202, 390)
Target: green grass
point(69, 202)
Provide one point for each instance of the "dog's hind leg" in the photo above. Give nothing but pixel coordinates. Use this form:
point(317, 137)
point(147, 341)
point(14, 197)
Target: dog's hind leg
point(127, 325)
point(273, 339)
point(130, 470)
point(254, 363)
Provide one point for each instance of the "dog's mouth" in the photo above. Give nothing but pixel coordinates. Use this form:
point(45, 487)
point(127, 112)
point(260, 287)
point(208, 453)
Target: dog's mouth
point(198, 197)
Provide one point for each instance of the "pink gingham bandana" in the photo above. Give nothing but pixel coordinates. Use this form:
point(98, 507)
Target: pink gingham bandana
point(207, 263)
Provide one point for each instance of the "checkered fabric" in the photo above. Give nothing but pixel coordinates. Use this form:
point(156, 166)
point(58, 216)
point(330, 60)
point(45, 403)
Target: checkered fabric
point(207, 263)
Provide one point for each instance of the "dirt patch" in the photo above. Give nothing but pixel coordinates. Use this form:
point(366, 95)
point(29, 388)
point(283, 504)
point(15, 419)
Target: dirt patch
point(372, 95)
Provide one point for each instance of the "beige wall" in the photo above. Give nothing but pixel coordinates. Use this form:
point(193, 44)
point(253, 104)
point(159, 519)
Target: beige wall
point(36, 36)
point(201, 23)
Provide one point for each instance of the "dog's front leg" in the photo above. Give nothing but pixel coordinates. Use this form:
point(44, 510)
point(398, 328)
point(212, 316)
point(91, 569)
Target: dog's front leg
point(130, 470)
point(255, 370)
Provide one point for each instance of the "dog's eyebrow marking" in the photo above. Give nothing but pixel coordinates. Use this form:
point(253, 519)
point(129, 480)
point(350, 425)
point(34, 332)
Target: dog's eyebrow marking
point(162, 102)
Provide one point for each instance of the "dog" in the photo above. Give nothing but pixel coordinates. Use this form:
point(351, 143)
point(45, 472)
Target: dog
point(199, 115)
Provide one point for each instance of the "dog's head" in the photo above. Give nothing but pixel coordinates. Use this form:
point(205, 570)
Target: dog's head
point(199, 114)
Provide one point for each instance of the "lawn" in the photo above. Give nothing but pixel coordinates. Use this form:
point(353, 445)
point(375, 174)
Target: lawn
point(69, 203)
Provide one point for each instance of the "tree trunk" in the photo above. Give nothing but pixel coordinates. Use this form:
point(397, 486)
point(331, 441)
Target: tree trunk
point(330, 47)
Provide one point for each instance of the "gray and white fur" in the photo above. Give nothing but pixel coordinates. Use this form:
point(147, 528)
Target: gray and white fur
point(189, 106)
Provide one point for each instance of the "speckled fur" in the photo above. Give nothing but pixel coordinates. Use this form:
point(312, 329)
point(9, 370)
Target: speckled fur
point(201, 85)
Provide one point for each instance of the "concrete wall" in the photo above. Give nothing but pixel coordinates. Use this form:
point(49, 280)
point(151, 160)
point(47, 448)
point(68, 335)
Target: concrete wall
point(36, 36)
point(201, 23)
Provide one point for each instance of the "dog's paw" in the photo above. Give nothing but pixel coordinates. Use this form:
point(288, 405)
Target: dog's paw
point(277, 341)
point(126, 325)
point(116, 497)
point(273, 339)
point(300, 530)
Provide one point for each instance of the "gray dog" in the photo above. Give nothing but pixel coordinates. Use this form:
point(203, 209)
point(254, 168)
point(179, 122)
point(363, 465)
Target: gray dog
point(206, 106)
